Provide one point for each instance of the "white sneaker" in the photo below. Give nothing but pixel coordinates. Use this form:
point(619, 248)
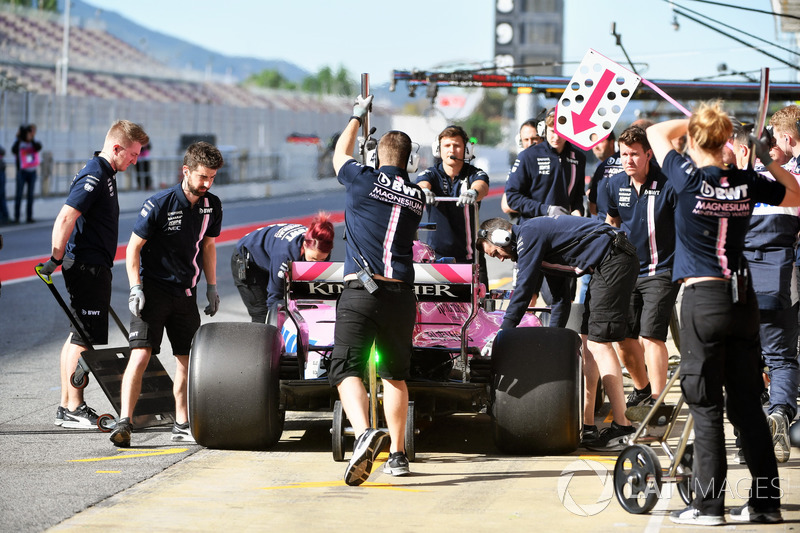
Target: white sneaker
point(779, 427)
point(182, 433)
point(694, 517)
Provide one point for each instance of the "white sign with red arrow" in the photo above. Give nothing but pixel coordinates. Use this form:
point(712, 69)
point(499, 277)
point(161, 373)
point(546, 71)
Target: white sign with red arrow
point(594, 99)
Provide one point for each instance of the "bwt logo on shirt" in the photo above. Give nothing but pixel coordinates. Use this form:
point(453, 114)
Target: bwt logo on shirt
point(738, 192)
point(206, 210)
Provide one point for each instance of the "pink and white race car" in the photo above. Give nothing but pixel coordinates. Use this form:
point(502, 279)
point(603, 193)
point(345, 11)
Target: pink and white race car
point(243, 377)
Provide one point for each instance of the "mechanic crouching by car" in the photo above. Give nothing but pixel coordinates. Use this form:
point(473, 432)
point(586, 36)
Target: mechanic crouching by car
point(564, 245)
point(377, 305)
point(261, 258)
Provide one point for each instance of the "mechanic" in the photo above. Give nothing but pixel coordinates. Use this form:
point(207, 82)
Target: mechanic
point(605, 152)
point(377, 305)
point(455, 177)
point(770, 250)
point(641, 202)
point(548, 179)
point(85, 236)
point(173, 240)
point(719, 312)
point(261, 258)
point(527, 136)
point(570, 246)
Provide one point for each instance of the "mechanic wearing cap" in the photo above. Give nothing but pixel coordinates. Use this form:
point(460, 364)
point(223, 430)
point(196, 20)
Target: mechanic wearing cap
point(261, 258)
point(571, 246)
point(173, 242)
point(382, 213)
point(641, 201)
point(548, 179)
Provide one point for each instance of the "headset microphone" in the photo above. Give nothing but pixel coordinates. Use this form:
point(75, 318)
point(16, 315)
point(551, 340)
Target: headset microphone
point(457, 158)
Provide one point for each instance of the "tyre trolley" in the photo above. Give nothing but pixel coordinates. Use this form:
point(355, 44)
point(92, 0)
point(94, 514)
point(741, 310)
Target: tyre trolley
point(156, 405)
point(638, 477)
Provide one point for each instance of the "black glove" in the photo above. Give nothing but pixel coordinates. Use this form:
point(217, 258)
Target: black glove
point(761, 147)
point(213, 300)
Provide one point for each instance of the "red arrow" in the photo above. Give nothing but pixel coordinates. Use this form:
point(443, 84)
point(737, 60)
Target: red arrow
point(581, 122)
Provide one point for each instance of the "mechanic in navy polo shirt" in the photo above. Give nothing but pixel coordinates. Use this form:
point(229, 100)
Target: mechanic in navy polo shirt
point(719, 311)
point(382, 213)
point(564, 245)
point(455, 177)
point(548, 179)
point(173, 241)
point(769, 248)
point(261, 258)
point(641, 201)
point(85, 236)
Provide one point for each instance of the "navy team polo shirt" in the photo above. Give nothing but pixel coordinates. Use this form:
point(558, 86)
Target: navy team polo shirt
point(712, 214)
point(648, 218)
point(536, 241)
point(450, 237)
point(93, 192)
point(607, 168)
point(172, 257)
point(542, 177)
point(269, 248)
point(382, 214)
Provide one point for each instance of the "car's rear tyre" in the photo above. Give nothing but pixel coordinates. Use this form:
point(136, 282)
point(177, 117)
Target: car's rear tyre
point(233, 389)
point(536, 391)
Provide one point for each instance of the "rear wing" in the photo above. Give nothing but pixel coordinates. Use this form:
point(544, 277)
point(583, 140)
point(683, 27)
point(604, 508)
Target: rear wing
point(434, 282)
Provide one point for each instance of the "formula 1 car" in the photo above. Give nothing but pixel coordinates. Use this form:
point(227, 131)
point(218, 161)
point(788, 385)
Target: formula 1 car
point(243, 377)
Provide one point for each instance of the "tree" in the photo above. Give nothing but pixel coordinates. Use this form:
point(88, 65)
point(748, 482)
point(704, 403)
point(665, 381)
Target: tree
point(485, 123)
point(270, 79)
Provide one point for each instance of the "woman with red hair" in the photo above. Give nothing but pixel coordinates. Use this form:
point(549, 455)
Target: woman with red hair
point(261, 258)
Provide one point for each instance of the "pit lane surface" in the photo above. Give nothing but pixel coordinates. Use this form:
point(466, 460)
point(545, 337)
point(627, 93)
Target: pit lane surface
point(71, 479)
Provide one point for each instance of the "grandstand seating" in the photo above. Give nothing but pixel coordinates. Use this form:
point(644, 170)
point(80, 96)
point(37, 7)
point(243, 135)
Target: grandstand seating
point(31, 48)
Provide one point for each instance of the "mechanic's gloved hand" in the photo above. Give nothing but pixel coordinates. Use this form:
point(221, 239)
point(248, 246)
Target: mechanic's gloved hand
point(430, 196)
point(49, 267)
point(283, 269)
point(362, 106)
point(487, 348)
point(467, 197)
point(136, 300)
point(213, 300)
point(556, 210)
point(761, 148)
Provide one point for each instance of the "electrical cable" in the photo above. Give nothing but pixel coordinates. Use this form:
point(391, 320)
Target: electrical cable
point(751, 9)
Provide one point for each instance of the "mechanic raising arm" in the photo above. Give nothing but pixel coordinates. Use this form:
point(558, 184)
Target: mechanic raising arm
point(719, 312)
point(382, 213)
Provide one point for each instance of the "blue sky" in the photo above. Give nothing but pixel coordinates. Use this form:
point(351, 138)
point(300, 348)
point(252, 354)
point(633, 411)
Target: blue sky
point(376, 36)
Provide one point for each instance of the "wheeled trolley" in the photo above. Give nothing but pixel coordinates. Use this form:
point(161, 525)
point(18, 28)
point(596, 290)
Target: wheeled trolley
point(156, 405)
point(638, 477)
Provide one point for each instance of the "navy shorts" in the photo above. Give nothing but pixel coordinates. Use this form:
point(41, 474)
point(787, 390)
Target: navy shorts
point(162, 310)
point(386, 318)
point(652, 302)
point(89, 288)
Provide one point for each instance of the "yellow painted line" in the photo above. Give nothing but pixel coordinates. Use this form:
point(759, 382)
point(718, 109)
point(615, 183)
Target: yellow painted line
point(148, 453)
point(600, 459)
point(500, 283)
point(108, 472)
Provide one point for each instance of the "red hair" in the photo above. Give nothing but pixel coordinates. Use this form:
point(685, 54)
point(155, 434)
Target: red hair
point(319, 235)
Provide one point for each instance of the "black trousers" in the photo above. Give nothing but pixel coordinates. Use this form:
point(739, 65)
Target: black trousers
point(720, 350)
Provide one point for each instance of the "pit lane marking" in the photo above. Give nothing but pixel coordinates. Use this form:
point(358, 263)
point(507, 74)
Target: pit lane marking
point(147, 453)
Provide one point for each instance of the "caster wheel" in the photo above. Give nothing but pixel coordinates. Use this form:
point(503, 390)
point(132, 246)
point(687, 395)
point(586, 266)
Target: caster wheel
point(106, 423)
point(637, 479)
point(337, 432)
point(685, 485)
point(79, 382)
